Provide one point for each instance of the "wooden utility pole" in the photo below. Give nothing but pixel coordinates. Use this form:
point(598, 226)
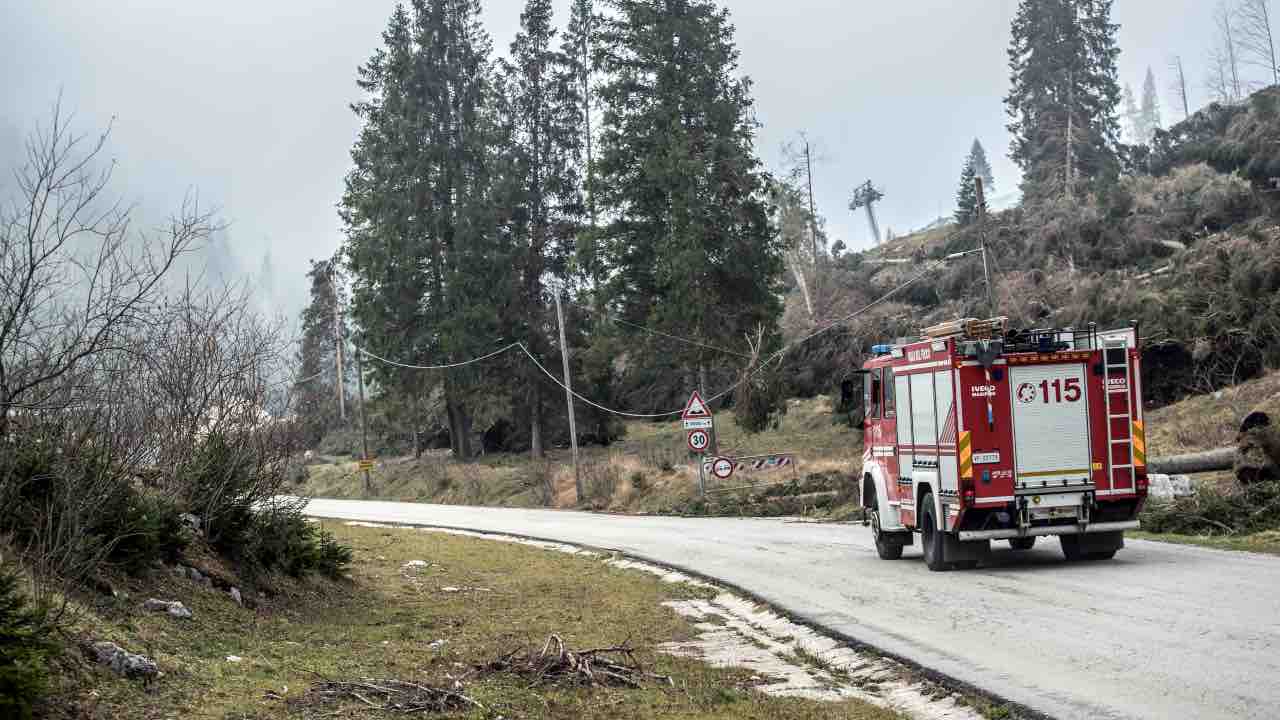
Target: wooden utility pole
point(364, 427)
point(337, 343)
point(1180, 86)
point(568, 398)
point(982, 242)
point(813, 212)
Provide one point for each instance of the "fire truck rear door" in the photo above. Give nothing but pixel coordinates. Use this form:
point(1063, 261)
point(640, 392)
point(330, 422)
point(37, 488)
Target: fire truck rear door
point(1050, 426)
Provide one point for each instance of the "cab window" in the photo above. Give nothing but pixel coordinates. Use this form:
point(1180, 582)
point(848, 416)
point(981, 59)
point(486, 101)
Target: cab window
point(890, 402)
point(871, 399)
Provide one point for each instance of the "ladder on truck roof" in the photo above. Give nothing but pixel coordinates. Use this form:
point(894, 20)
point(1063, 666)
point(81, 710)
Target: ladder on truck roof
point(1111, 348)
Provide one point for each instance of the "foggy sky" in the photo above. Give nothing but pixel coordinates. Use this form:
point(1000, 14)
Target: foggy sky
point(248, 101)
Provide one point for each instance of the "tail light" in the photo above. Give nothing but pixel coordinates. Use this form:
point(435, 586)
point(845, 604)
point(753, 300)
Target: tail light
point(1143, 485)
point(967, 494)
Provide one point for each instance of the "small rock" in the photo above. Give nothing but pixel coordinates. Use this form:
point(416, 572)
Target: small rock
point(195, 575)
point(122, 662)
point(414, 566)
point(192, 522)
point(235, 595)
point(438, 645)
point(234, 658)
point(179, 571)
point(451, 589)
point(172, 607)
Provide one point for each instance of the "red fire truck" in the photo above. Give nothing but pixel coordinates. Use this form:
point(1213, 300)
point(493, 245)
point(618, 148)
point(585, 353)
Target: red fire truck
point(977, 433)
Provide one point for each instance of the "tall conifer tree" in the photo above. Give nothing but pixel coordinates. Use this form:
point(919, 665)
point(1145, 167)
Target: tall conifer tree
point(1062, 102)
point(689, 249)
point(431, 273)
point(542, 134)
point(982, 167)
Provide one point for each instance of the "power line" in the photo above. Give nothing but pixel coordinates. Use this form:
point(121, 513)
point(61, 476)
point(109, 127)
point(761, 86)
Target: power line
point(687, 341)
point(439, 367)
point(650, 416)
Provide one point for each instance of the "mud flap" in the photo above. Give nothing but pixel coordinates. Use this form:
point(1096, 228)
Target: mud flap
point(953, 550)
point(1093, 543)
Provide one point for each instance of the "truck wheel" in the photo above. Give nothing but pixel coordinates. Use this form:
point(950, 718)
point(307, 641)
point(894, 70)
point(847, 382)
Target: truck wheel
point(1022, 543)
point(888, 545)
point(930, 536)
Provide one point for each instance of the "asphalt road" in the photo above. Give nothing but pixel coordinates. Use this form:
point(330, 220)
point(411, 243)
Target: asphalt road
point(1162, 631)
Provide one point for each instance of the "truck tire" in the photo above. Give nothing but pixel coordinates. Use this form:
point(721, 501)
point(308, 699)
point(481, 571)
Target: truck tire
point(888, 545)
point(930, 537)
point(1022, 543)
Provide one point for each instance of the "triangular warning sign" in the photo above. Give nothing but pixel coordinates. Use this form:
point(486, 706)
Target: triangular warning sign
point(696, 408)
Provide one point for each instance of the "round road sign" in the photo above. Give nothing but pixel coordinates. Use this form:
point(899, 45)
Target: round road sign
point(699, 440)
point(722, 468)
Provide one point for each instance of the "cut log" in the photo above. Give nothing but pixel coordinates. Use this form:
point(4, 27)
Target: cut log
point(1207, 461)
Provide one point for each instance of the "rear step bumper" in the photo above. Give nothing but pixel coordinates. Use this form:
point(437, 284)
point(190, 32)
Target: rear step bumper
point(968, 535)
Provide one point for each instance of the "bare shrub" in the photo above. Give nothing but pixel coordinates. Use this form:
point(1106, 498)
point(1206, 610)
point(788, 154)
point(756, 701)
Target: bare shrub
point(77, 282)
point(600, 481)
point(540, 478)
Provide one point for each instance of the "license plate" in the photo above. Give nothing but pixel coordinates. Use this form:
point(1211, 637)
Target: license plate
point(987, 458)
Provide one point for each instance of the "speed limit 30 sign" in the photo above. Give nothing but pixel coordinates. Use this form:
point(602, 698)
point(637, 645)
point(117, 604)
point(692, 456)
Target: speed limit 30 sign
point(699, 440)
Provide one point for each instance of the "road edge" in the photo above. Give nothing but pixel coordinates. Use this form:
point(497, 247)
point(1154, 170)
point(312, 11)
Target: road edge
point(1018, 711)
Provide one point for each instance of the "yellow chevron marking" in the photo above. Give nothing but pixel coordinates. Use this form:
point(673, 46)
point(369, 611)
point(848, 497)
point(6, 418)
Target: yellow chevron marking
point(964, 449)
point(1139, 443)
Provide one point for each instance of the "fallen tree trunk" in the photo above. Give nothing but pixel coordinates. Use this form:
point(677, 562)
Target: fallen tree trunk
point(1207, 461)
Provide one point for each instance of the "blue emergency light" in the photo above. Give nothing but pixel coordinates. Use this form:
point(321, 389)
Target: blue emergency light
point(881, 349)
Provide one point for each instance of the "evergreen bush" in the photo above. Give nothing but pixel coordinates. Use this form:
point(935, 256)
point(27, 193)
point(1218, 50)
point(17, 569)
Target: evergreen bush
point(26, 645)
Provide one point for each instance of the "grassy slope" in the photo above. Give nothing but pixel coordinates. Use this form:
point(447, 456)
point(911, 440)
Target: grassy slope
point(1205, 422)
point(381, 624)
point(649, 470)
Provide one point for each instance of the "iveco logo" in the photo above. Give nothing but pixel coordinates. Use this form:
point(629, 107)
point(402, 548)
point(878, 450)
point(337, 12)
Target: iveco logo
point(984, 390)
point(1026, 393)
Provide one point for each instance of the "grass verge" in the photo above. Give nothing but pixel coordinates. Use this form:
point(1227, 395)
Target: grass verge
point(1267, 542)
point(475, 601)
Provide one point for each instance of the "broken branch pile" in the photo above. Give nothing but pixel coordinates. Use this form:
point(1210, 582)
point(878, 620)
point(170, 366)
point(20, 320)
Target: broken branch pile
point(392, 695)
point(556, 664)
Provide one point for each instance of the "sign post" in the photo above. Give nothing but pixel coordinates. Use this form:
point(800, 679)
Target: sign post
point(699, 422)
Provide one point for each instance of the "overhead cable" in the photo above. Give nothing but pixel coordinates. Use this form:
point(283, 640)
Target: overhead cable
point(448, 366)
point(650, 416)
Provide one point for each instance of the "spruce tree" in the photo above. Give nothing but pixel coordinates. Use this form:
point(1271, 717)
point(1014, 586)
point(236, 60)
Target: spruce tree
point(1131, 116)
point(542, 127)
point(315, 399)
point(1150, 113)
point(1063, 96)
point(689, 249)
point(431, 273)
point(982, 168)
point(577, 49)
point(967, 205)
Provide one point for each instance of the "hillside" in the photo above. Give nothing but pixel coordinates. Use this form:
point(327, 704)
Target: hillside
point(1186, 245)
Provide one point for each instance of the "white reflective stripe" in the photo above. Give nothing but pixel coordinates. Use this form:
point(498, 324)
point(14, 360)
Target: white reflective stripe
point(1121, 491)
point(1006, 498)
point(923, 366)
point(975, 363)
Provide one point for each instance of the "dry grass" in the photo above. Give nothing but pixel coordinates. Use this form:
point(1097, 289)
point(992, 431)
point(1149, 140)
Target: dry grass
point(387, 623)
point(1205, 422)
